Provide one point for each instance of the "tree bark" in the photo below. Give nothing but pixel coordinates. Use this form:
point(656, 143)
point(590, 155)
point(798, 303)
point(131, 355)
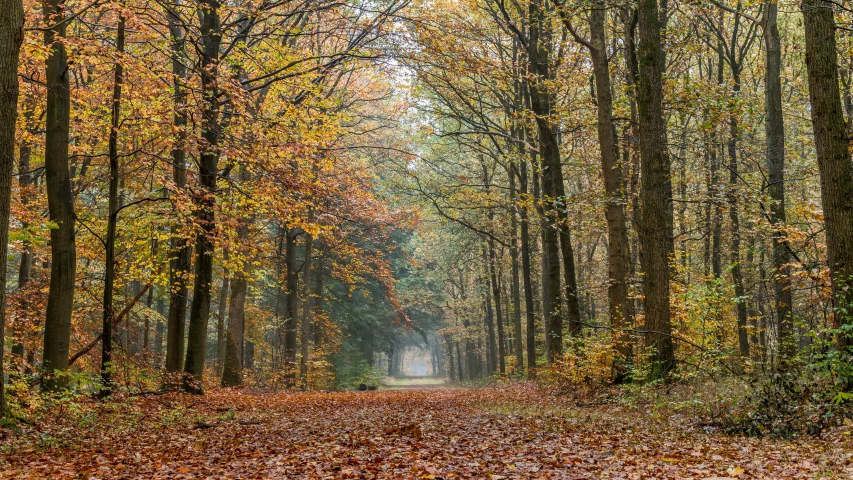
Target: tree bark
point(112, 218)
point(618, 257)
point(527, 274)
point(549, 149)
point(291, 313)
point(204, 198)
point(496, 296)
point(222, 314)
point(775, 161)
point(232, 365)
point(656, 230)
point(307, 308)
point(516, 279)
point(11, 38)
point(181, 256)
point(734, 220)
point(833, 155)
point(60, 201)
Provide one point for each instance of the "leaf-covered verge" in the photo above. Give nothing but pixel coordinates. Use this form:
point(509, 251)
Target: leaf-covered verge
point(516, 430)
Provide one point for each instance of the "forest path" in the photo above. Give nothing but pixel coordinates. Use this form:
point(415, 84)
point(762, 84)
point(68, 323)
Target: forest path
point(403, 383)
point(514, 431)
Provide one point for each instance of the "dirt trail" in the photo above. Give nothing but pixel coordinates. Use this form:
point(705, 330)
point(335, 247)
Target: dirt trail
point(512, 432)
point(413, 383)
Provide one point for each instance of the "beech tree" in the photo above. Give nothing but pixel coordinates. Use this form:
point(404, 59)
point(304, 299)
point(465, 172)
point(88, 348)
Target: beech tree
point(11, 37)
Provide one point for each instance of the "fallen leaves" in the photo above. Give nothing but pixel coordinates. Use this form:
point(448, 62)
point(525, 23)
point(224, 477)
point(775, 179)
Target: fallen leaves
point(514, 431)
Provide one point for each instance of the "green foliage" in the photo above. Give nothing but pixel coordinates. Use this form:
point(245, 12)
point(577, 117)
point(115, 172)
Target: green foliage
point(352, 369)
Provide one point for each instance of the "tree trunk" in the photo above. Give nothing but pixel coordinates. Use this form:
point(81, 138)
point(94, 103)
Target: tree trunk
point(318, 296)
point(307, 308)
point(222, 314)
point(656, 193)
point(515, 286)
point(734, 219)
point(112, 218)
point(496, 296)
point(775, 161)
point(618, 257)
point(232, 365)
point(25, 179)
point(527, 274)
point(490, 328)
point(549, 149)
point(204, 199)
point(60, 201)
point(833, 155)
point(181, 256)
point(11, 37)
point(291, 314)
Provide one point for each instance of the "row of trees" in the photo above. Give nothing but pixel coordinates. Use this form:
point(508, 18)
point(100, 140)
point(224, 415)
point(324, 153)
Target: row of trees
point(195, 180)
point(659, 158)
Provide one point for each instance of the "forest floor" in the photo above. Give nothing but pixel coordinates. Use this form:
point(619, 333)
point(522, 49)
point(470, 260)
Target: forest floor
point(509, 431)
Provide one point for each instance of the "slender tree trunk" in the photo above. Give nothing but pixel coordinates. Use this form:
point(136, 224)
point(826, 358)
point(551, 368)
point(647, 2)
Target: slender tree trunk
point(307, 308)
point(516, 280)
point(291, 314)
point(619, 258)
point(232, 368)
point(734, 219)
point(656, 231)
point(112, 218)
point(496, 296)
point(775, 160)
point(25, 179)
point(527, 274)
point(204, 199)
point(11, 38)
point(490, 319)
point(181, 256)
point(549, 149)
point(222, 314)
point(459, 362)
point(60, 201)
point(318, 296)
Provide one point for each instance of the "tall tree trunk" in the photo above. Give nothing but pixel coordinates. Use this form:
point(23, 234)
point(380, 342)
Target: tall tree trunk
point(618, 258)
point(291, 314)
point(181, 255)
point(459, 362)
point(496, 296)
point(774, 126)
point(307, 308)
point(25, 179)
point(232, 365)
point(452, 369)
point(11, 37)
point(204, 198)
point(734, 219)
point(516, 280)
point(489, 318)
point(656, 231)
point(833, 154)
point(318, 295)
point(112, 218)
point(222, 314)
point(60, 201)
point(489, 259)
point(526, 272)
point(549, 149)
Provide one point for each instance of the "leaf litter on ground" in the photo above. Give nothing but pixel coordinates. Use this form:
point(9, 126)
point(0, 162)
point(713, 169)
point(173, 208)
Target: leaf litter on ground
point(517, 430)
